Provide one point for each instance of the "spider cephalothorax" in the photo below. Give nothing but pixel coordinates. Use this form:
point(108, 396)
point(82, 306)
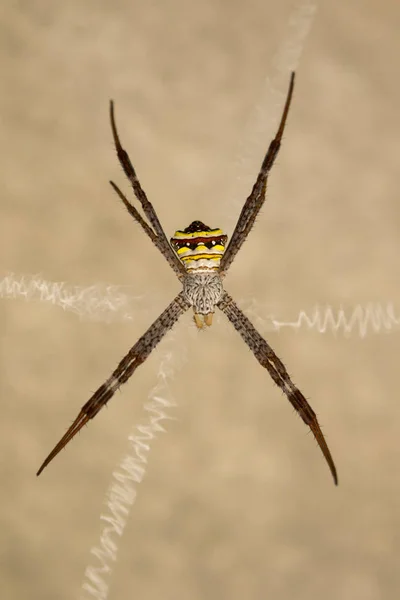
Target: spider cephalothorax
point(203, 290)
point(200, 260)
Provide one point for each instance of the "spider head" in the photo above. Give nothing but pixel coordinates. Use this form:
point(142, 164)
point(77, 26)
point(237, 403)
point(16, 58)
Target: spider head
point(199, 247)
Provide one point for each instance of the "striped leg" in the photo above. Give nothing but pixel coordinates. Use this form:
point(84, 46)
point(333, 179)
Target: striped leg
point(155, 232)
point(128, 365)
point(256, 199)
point(149, 231)
point(268, 359)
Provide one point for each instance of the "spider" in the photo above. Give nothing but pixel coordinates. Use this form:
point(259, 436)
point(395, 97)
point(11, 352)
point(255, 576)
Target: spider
point(200, 257)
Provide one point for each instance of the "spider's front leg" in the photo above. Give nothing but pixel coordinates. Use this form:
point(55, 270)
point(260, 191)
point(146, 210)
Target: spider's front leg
point(128, 365)
point(277, 370)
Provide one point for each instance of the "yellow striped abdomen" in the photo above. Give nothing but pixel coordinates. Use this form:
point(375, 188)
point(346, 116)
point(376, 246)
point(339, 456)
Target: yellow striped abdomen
point(199, 247)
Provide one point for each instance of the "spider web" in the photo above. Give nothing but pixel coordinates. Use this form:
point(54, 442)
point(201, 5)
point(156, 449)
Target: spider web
point(111, 303)
point(267, 110)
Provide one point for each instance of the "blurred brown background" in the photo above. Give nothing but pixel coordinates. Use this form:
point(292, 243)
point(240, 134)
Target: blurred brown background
point(237, 501)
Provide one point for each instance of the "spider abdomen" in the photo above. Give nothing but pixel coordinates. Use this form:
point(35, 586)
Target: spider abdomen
point(199, 247)
point(203, 291)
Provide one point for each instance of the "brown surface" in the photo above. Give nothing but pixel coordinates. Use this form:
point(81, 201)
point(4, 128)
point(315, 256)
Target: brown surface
point(237, 502)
